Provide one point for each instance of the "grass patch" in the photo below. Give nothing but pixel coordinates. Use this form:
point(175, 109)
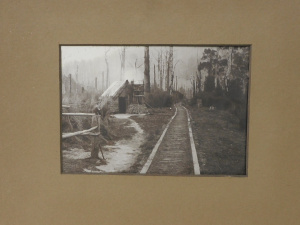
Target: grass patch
point(153, 126)
point(220, 143)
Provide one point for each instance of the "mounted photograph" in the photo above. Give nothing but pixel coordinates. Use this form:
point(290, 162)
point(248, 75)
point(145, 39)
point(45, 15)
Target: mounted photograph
point(154, 109)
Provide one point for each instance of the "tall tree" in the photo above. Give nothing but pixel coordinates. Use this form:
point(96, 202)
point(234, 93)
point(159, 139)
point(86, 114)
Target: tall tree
point(167, 71)
point(122, 59)
point(229, 65)
point(159, 68)
point(154, 77)
point(162, 71)
point(107, 69)
point(212, 63)
point(76, 81)
point(240, 66)
point(102, 80)
point(171, 71)
point(146, 72)
point(209, 84)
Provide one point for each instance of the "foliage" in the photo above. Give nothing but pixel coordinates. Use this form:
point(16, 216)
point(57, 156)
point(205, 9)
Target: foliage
point(212, 99)
point(209, 59)
point(226, 83)
point(193, 101)
point(235, 91)
point(177, 96)
point(159, 99)
point(218, 90)
point(209, 84)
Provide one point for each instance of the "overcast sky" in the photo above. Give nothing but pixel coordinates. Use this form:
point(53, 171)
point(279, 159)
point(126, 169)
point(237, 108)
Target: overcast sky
point(90, 61)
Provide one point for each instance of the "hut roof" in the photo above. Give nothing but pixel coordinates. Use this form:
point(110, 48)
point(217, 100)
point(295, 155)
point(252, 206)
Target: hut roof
point(112, 92)
point(114, 89)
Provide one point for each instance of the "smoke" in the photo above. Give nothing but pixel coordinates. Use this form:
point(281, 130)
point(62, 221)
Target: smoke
point(133, 75)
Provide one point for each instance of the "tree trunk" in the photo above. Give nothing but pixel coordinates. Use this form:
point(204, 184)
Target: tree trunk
point(162, 76)
point(76, 81)
point(229, 65)
point(171, 72)
point(107, 72)
point(70, 85)
point(154, 75)
point(193, 88)
point(102, 81)
point(147, 73)
point(159, 70)
point(122, 58)
point(167, 73)
point(200, 82)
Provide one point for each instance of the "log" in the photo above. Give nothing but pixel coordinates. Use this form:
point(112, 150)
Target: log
point(90, 134)
point(67, 135)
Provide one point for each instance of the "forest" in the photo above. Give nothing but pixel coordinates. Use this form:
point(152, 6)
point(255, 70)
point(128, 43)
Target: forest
point(217, 75)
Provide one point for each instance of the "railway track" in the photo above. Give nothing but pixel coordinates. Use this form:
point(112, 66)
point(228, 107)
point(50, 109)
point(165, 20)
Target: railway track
point(175, 152)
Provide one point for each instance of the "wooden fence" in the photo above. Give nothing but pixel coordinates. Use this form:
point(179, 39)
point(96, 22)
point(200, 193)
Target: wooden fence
point(88, 132)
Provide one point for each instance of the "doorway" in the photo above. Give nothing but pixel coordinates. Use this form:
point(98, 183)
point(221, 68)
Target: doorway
point(122, 104)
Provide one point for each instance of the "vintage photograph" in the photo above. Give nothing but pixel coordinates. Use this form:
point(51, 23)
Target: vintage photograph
point(154, 109)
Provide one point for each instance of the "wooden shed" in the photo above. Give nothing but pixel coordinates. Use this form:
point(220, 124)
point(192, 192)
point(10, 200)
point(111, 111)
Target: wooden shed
point(121, 94)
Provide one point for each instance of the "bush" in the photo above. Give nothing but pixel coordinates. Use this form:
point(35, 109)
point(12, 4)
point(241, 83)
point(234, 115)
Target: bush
point(220, 102)
point(177, 96)
point(209, 84)
point(193, 101)
point(159, 99)
point(235, 91)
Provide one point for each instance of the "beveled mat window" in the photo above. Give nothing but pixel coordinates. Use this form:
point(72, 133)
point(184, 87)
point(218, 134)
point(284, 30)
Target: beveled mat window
point(154, 109)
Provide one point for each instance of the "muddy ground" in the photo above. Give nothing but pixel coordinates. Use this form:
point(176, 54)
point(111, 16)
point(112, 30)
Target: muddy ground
point(77, 150)
point(220, 144)
point(130, 142)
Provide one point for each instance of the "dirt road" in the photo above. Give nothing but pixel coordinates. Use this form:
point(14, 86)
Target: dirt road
point(174, 155)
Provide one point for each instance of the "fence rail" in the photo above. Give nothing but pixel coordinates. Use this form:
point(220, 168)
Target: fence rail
point(86, 132)
point(78, 114)
point(95, 149)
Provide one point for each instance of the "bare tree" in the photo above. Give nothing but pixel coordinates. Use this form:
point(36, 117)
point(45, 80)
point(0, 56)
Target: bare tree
point(171, 71)
point(107, 68)
point(160, 69)
point(172, 86)
point(122, 59)
point(136, 66)
point(229, 65)
point(154, 77)
point(147, 72)
point(167, 70)
point(76, 81)
point(102, 80)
